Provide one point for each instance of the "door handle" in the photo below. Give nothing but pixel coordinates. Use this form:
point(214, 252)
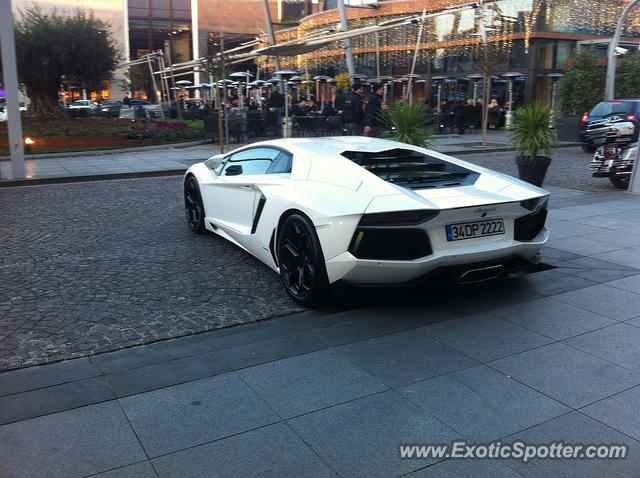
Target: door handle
point(244, 186)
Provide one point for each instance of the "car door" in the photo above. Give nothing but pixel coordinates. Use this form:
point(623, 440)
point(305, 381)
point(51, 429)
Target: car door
point(231, 199)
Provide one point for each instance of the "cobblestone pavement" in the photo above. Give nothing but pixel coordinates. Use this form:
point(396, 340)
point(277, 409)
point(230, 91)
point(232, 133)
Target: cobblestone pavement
point(93, 267)
point(569, 168)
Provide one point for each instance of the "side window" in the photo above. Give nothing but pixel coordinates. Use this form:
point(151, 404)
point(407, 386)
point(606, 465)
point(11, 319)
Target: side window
point(250, 161)
point(281, 165)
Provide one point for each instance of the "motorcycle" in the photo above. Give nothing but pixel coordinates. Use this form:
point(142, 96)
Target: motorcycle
point(616, 141)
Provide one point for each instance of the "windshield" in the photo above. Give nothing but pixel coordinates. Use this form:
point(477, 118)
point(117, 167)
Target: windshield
point(412, 169)
point(607, 108)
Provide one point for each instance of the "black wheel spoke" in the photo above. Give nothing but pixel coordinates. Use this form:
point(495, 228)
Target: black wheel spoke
point(291, 248)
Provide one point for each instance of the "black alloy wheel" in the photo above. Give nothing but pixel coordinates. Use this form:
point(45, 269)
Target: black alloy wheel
point(302, 265)
point(193, 207)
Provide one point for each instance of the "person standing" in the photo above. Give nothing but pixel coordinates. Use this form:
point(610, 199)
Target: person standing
point(276, 100)
point(352, 113)
point(373, 125)
point(339, 99)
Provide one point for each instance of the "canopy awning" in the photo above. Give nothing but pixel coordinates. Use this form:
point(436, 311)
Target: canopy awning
point(309, 44)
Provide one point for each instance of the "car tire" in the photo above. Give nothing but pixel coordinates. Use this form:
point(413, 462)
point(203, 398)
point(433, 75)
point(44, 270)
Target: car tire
point(620, 182)
point(193, 207)
point(302, 267)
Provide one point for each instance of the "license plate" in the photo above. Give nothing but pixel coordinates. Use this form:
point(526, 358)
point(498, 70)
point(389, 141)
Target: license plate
point(471, 230)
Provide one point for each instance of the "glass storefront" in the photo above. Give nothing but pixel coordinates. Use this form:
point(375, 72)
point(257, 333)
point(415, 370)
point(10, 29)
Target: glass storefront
point(152, 23)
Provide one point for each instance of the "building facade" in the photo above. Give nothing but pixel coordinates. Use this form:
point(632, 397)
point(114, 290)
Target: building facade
point(533, 37)
point(109, 11)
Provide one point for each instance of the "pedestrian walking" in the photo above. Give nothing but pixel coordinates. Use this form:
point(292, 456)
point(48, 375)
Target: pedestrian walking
point(352, 113)
point(373, 125)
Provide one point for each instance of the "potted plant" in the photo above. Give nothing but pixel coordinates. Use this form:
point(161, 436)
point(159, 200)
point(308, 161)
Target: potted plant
point(408, 124)
point(532, 133)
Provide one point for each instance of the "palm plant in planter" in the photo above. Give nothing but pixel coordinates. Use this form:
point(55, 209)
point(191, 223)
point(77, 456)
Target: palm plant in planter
point(408, 124)
point(532, 134)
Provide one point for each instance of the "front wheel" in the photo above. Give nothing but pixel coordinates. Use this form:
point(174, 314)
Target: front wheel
point(193, 207)
point(301, 261)
point(620, 182)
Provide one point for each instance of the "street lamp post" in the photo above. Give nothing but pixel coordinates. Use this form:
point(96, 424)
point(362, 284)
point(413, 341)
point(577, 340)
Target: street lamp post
point(386, 81)
point(475, 78)
point(320, 81)
point(10, 75)
point(241, 77)
point(331, 85)
point(284, 75)
point(611, 56)
point(508, 118)
point(439, 79)
point(296, 80)
point(348, 49)
point(554, 83)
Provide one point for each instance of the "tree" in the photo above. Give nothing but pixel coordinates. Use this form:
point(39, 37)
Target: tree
point(138, 78)
point(627, 74)
point(50, 46)
point(583, 83)
point(343, 80)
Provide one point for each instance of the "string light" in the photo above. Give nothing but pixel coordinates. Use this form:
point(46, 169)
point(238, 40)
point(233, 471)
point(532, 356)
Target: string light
point(510, 21)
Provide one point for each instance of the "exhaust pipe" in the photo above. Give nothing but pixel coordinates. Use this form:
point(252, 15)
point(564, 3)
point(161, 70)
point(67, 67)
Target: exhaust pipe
point(480, 275)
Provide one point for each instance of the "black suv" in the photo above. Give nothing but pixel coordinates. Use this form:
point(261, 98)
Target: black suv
point(625, 108)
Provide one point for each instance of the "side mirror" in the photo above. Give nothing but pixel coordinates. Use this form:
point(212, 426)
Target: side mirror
point(233, 170)
point(214, 161)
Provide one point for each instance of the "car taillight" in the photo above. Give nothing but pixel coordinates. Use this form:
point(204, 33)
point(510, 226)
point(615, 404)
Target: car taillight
point(607, 154)
point(397, 218)
point(535, 203)
point(585, 117)
point(631, 117)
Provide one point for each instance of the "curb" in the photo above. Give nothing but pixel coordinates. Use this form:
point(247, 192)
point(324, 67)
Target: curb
point(479, 150)
point(8, 183)
point(106, 152)
point(4, 183)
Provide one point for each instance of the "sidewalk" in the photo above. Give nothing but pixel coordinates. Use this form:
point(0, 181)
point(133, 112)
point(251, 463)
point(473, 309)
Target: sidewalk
point(547, 357)
point(176, 161)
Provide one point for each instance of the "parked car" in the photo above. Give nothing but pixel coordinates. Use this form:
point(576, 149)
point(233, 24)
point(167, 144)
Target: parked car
point(139, 102)
point(83, 104)
point(83, 108)
point(110, 108)
point(628, 109)
point(366, 211)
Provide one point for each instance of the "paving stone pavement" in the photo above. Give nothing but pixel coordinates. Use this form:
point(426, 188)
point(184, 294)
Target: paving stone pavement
point(91, 267)
point(545, 357)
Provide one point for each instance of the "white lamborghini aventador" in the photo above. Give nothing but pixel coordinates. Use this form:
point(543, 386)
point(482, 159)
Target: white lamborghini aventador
point(365, 211)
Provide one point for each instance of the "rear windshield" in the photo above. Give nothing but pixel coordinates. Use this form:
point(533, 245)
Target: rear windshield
point(607, 108)
point(412, 169)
